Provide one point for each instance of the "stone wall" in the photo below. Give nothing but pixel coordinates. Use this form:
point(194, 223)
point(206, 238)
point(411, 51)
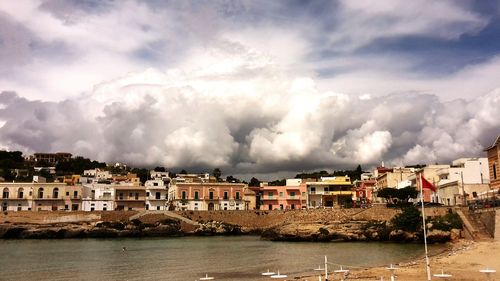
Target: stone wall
point(487, 217)
point(250, 219)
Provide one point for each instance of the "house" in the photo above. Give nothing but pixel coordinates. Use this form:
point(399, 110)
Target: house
point(156, 194)
point(199, 192)
point(493, 154)
point(291, 196)
point(129, 196)
point(465, 175)
point(98, 197)
point(330, 192)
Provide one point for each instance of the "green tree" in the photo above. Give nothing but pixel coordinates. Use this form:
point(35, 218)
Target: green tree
point(232, 179)
point(217, 173)
point(408, 220)
point(160, 169)
point(183, 172)
point(254, 182)
point(142, 174)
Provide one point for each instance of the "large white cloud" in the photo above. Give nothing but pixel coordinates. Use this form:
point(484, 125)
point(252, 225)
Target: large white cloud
point(258, 121)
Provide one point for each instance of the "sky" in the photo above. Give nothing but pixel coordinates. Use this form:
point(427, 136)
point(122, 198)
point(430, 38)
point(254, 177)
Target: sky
point(266, 88)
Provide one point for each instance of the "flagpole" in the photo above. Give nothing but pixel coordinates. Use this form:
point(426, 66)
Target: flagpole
point(427, 265)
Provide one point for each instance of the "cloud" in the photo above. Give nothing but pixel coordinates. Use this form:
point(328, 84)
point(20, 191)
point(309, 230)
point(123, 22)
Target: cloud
point(248, 86)
point(265, 121)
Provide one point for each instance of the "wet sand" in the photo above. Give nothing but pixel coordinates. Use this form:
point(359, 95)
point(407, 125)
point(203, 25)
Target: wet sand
point(463, 261)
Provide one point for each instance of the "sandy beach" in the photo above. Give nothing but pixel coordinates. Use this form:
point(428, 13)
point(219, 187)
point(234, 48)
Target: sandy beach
point(463, 261)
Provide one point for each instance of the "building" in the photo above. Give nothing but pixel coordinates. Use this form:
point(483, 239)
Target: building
point(330, 192)
point(50, 158)
point(98, 197)
point(466, 175)
point(364, 190)
point(396, 177)
point(200, 195)
point(250, 199)
point(493, 154)
point(73, 197)
point(129, 197)
point(156, 194)
point(289, 197)
point(33, 196)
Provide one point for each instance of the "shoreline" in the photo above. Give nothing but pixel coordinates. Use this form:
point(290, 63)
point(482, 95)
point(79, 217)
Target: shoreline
point(463, 260)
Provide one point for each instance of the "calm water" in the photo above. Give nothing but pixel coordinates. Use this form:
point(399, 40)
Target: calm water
point(186, 258)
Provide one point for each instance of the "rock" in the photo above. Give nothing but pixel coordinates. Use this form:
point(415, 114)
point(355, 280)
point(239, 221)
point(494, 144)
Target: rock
point(438, 236)
point(455, 234)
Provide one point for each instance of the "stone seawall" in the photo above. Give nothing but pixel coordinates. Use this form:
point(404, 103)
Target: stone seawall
point(312, 225)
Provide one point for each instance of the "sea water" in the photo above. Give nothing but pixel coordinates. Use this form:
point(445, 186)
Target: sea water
point(187, 258)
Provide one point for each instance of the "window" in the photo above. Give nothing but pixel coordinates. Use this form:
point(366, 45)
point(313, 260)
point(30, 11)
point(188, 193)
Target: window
point(147, 194)
point(5, 193)
point(75, 194)
point(237, 196)
point(303, 194)
point(155, 184)
point(40, 193)
point(225, 195)
point(67, 193)
point(196, 195)
point(183, 195)
point(158, 208)
point(270, 194)
point(158, 195)
point(494, 171)
point(281, 194)
point(313, 190)
point(292, 194)
point(211, 195)
point(20, 193)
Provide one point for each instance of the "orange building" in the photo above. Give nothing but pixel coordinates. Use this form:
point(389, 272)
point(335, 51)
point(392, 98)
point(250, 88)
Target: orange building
point(493, 163)
point(207, 196)
point(284, 197)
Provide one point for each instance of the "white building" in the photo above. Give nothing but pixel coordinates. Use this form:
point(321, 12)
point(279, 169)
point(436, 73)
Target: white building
point(98, 197)
point(156, 194)
point(469, 175)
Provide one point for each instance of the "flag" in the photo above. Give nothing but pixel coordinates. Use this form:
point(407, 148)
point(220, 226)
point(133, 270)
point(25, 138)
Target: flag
point(427, 185)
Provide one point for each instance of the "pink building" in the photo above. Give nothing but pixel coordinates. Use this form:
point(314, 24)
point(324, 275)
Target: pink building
point(364, 190)
point(284, 197)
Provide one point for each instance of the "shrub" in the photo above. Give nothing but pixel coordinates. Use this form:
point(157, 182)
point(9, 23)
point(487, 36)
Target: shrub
point(447, 222)
point(408, 220)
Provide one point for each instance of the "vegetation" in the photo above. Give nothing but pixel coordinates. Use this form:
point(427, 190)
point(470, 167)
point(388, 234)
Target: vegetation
point(254, 182)
point(447, 222)
point(397, 197)
point(77, 165)
point(217, 173)
point(408, 220)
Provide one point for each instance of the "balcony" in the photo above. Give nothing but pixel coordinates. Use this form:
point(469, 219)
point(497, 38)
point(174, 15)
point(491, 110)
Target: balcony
point(48, 198)
point(14, 199)
point(293, 198)
point(270, 198)
point(133, 199)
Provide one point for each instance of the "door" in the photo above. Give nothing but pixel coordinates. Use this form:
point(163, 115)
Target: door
point(211, 206)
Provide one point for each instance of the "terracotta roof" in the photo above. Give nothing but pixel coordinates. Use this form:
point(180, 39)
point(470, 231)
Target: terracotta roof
point(497, 141)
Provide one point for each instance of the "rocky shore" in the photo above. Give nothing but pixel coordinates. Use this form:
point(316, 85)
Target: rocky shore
point(315, 225)
point(352, 231)
point(101, 229)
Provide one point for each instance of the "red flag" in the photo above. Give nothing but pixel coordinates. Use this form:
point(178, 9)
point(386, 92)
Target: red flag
point(427, 184)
